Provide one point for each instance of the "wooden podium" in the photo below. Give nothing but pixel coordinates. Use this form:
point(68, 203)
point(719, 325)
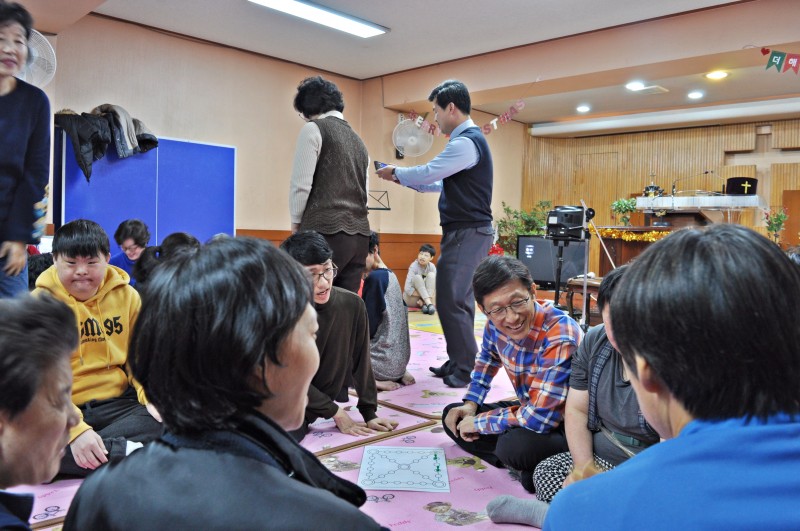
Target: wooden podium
point(623, 251)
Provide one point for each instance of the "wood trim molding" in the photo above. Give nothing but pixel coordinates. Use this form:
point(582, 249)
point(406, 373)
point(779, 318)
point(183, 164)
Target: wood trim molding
point(397, 250)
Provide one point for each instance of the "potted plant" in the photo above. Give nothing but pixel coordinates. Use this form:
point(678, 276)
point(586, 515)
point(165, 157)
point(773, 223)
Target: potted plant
point(623, 207)
point(518, 222)
point(775, 223)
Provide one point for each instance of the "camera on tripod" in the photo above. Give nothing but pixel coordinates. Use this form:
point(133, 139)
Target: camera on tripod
point(568, 223)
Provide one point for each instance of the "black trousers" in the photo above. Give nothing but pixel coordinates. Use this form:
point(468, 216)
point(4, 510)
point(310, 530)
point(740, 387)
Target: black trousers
point(350, 256)
point(117, 421)
point(517, 448)
point(461, 252)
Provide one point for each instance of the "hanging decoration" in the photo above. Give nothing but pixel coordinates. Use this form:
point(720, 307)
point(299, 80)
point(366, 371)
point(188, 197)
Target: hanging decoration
point(433, 129)
point(782, 61)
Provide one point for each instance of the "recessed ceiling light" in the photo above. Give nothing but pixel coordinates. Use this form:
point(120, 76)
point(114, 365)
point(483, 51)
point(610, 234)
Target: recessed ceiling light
point(583, 108)
point(717, 74)
point(695, 94)
point(325, 17)
point(635, 85)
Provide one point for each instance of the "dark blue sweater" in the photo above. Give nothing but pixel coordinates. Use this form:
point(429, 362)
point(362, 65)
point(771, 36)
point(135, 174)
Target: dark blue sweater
point(24, 159)
point(466, 199)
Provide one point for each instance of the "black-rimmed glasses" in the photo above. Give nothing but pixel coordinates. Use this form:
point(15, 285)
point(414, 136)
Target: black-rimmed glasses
point(516, 306)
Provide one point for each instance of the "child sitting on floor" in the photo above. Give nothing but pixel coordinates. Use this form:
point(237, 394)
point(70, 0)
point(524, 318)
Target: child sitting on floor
point(389, 345)
point(132, 236)
point(113, 409)
point(420, 286)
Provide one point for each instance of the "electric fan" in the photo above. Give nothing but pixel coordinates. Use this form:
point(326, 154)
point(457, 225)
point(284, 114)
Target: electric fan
point(410, 139)
point(41, 65)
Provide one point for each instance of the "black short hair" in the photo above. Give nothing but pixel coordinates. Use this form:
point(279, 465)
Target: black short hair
point(452, 91)
point(316, 95)
point(608, 285)
point(496, 271)
point(374, 241)
point(715, 313)
point(81, 237)
point(174, 244)
point(135, 229)
point(308, 247)
point(209, 319)
point(11, 12)
point(37, 264)
point(35, 333)
point(428, 248)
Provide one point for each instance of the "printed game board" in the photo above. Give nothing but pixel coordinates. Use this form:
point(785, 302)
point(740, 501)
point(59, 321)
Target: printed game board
point(51, 501)
point(473, 484)
point(403, 468)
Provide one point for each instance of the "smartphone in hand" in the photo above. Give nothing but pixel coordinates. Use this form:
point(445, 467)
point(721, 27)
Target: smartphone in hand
point(379, 165)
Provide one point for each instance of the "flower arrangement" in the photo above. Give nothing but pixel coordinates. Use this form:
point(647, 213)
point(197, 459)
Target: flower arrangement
point(775, 221)
point(623, 207)
point(518, 222)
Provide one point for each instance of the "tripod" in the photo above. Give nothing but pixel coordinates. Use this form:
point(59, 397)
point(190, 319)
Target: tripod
point(560, 244)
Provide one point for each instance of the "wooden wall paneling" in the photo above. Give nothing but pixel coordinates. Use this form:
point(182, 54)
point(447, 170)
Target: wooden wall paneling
point(565, 170)
point(786, 134)
point(397, 250)
point(791, 235)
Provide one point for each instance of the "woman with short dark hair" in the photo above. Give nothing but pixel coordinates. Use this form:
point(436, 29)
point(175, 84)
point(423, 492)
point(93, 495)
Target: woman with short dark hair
point(25, 153)
point(225, 348)
point(328, 190)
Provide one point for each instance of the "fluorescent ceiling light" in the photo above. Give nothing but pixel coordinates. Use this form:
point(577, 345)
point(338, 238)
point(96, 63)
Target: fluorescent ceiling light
point(635, 86)
point(717, 74)
point(583, 108)
point(695, 95)
point(324, 16)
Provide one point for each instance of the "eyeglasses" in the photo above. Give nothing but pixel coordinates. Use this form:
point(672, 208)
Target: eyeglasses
point(328, 274)
point(517, 307)
point(133, 247)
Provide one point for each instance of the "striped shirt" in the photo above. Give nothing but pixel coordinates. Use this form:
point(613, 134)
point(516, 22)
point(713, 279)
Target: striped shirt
point(538, 367)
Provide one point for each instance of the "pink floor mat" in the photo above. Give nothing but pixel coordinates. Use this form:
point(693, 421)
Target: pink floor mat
point(472, 486)
point(51, 501)
point(324, 437)
point(429, 396)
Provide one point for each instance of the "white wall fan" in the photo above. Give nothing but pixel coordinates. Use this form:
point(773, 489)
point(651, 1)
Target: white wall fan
point(410, 140)
point(41, 65)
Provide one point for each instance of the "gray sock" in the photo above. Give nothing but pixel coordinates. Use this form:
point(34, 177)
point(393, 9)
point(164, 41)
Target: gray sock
point(511, 510)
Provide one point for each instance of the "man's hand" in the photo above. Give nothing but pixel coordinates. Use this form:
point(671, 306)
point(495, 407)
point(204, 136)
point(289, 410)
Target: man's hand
point(153, 412)
point(16, 257)
point(387, 173)
point(380, 424)
point(88, 450)
point(466, 429)
point(457, 414)
point(295, 227)
point(349, 426)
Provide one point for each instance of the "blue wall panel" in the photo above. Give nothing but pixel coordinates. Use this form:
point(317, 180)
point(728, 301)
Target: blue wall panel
point(180, 186)
point(195, 189)
point(119, 189)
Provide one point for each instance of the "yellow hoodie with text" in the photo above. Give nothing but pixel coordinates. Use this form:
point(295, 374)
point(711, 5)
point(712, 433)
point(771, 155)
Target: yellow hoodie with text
point(105, 322)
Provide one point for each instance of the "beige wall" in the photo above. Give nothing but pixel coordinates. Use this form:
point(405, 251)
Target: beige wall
point(202, 92)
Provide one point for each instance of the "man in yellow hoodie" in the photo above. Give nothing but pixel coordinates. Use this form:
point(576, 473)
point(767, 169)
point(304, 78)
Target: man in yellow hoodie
point(114, 412)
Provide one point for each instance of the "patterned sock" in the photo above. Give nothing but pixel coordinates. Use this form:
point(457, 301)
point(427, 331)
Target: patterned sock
point(511, 510)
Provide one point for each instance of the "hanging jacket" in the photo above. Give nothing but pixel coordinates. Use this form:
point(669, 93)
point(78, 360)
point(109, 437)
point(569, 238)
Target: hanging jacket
point(90, 137)
point(105, 321)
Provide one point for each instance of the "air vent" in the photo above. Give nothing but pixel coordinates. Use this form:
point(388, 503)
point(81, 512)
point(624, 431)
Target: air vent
point(653, 89)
